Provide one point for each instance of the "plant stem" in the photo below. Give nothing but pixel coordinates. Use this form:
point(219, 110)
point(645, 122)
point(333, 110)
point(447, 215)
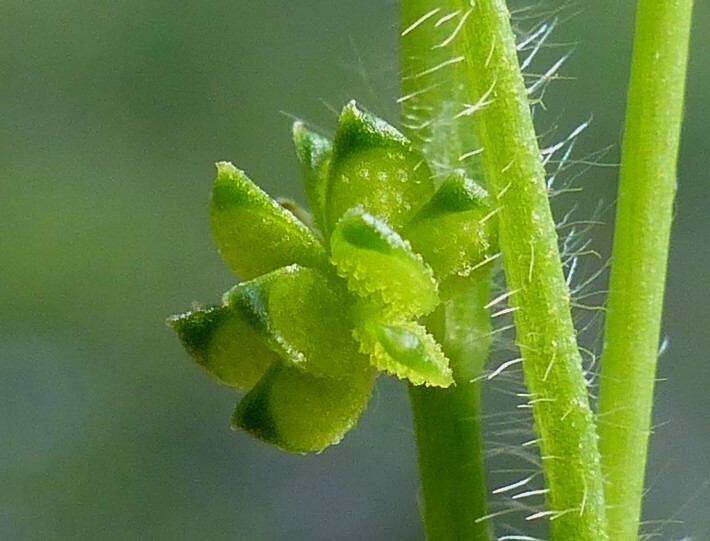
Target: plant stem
point(528, 241)
point(448, 422)
point(449, 426)
point(647, 186)
point(434, 86)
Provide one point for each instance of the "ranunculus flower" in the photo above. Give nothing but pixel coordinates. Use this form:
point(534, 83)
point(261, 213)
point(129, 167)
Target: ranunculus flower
point(324, 307)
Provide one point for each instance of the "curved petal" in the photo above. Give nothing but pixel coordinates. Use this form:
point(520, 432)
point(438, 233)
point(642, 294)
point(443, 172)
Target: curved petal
point(381, 267)
point(375, 167)
point(407, 351)
point(302, 413)
point(225, 344)
point(454, 231)
point(254, 234)
point(314, 152)
point(303, 318)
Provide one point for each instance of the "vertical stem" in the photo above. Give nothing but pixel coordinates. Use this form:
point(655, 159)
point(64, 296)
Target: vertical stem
point(434, 86)
point(528, 240)
point(647, 186)
point(447, 422)
point(448, 425)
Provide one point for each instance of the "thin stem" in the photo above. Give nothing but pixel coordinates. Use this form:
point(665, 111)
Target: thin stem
point(449, 426)
point(647, 187)
point(447, 421)
point(528, 240)
point(434, 86)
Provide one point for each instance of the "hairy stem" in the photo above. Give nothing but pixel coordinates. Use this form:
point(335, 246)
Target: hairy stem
point(448, 422)
point(528, 241)
point(434, 86)
point(449, 426)
point(647, 186)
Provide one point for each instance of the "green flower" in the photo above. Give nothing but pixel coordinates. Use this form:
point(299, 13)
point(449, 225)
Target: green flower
point(324, 308)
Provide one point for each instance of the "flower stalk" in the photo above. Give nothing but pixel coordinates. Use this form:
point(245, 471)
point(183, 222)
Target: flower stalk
point(448, 422)
point(449, 425)
point(647, 186)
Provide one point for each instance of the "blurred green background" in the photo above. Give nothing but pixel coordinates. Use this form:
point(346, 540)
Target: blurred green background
point(111, 116)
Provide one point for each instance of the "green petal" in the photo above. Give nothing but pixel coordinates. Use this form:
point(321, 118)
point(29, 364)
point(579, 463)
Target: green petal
point(454, 230)
point(407, 351)
point(381, 267)
point(255, 234)
point(314, 152)
point(375, 167)
point(302, 413)
point(224, 343)
point(303, 318)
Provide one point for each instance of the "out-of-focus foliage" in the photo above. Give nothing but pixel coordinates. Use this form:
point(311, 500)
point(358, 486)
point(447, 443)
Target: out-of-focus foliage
point(111, 114)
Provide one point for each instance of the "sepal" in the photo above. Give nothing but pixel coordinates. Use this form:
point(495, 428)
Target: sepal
point(302, 413)
point(375, 167)
point(224, 342)
point(314, 151)
point(289, 307)
point(405, 350)
point(380, 266)
point(454, 231)
point(254, 234)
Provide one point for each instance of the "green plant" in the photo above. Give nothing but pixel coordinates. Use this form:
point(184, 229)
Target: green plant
point(393, 273)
